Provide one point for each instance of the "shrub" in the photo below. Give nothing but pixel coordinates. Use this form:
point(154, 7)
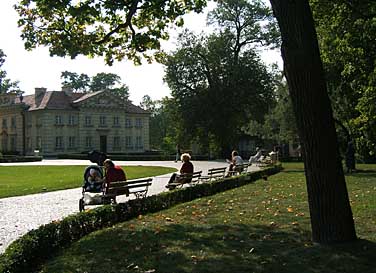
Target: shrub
point(27, 253)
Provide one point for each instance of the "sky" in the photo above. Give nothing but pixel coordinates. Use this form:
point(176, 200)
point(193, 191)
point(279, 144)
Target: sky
point(37, 69)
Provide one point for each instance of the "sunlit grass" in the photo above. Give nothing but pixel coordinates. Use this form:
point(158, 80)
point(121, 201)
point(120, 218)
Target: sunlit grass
point(261, 227)
point(22, 180)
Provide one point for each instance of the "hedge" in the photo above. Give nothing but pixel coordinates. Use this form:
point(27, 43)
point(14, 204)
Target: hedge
point(27, 253)
point(19, 158)
point(133, 157)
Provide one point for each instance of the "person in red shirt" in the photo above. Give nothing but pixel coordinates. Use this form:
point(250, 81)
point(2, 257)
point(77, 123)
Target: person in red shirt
point(187, 167)
point(113, 172)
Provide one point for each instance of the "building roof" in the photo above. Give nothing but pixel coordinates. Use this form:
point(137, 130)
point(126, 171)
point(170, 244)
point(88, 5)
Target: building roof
point(59, 100)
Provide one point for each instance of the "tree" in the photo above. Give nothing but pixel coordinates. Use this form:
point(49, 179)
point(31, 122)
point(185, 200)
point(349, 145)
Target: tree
point(114, 29)
point(331, 215)
point(280, 122)
point(6, 85)
point(163, 125)
point(78, 83)
point(346, 36)
point(224, 71)
point(101, 81)
point(148, 104)
point(111, 82)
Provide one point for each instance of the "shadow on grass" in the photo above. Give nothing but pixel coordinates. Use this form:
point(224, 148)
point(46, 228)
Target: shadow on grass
point(200, 249)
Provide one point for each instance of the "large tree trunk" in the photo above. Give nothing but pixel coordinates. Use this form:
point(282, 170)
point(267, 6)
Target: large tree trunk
point(331, 216)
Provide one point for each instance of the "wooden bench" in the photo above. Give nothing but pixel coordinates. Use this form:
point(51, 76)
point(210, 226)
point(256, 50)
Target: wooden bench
point(137, 187)
point(239, 169)
point(187, 178)
point(214, 174)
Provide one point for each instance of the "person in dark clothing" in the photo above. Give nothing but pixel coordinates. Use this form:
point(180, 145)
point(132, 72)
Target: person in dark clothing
point(187, 167)
point(350, 157)
point(113, 173)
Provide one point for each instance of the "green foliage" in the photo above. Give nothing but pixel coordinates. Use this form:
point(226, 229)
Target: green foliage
point(218, 80)
point(22, 180)
point(100, 81)
point(6, 85)
point(27, 253)
point(113, 29)
point(75, 81)
point(346, 31)
point(280, 124)
point(163, 124)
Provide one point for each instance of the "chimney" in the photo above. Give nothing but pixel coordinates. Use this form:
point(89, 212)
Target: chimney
point(39, 94)
point(67, 90)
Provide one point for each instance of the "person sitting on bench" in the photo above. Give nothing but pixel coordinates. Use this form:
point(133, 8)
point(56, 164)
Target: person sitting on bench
point(186, 168)
point(257, 157)
point(235, 163)
point(113, 172)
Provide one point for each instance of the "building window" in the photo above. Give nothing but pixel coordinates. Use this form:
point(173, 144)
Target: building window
point(71, 120)
point(4, 143)
point(117, 142)
point(13, 143)
point(102, 121)
point(28, 143)
point(72, 142)
point(88, 142)
point(116, 122)
point(5, 123)
point(38, 121)
point(87, 120)
point(58, 120)
point(128, 142)
point(128, 123)
point(138, 123)
point(139, 142)
point(13, 122)
point(38, 142)
point(59, 142)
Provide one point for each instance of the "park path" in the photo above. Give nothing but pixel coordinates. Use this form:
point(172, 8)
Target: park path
point(24, 213)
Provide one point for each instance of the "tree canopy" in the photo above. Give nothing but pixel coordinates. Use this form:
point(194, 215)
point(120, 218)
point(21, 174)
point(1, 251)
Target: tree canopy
point(347, 32)
point(114, 29)
point(100, 81)
point(224, 71)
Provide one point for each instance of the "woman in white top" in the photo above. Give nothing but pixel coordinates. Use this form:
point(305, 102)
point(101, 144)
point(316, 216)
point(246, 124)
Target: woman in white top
point(236, 160)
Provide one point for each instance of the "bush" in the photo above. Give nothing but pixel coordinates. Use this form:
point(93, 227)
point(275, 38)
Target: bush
point(13, 158)
point(27, 253)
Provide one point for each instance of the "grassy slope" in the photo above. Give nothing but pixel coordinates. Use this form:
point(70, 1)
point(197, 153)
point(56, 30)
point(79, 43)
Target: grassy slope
point(261, 227)
point(22, 180)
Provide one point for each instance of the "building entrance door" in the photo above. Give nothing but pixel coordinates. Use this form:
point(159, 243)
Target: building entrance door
point(103, 144)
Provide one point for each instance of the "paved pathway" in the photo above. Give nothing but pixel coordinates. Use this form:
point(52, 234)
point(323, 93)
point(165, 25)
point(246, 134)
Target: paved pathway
point(21, 214)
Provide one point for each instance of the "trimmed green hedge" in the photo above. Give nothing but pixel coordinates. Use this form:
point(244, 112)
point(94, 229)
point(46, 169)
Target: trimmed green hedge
point(133, 157)
point(19, 158)
point(27, 253)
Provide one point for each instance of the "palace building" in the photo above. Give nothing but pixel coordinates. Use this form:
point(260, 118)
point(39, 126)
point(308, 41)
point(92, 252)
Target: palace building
point(63, 122)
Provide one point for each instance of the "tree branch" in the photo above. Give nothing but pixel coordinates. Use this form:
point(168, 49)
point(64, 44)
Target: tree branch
point(132, 10)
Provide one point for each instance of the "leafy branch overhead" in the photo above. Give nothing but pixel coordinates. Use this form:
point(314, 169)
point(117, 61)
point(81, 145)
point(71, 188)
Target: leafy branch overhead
point(113, 29)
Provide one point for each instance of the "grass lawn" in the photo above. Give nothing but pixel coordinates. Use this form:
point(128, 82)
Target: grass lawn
point(261, 227)
point(22, 180)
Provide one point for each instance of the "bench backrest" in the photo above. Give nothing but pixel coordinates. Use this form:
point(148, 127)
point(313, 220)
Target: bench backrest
point(190, 177)
point(123, 187)
point(217, 171)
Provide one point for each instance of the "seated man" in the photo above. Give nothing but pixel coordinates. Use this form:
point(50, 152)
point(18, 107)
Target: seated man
point(113, 173)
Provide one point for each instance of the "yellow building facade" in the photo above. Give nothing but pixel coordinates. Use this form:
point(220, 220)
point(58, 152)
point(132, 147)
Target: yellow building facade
point(62, 122)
